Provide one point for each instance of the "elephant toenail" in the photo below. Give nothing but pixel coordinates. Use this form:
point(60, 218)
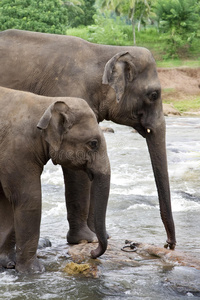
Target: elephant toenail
point(10, 265)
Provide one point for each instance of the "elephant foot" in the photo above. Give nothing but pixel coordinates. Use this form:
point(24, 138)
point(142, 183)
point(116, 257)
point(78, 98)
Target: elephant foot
point(32, 267)
point(84, 234)
point(7, 262)
point(170, 245)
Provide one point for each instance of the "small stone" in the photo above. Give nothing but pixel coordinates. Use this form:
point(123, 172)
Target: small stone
point(43, 243)
point(107, 129)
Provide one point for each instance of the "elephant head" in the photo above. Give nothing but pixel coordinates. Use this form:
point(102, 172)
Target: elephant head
point(75, 141)
point(137, 103)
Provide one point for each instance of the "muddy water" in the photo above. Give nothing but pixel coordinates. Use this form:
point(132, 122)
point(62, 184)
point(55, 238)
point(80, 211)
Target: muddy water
point(133, 213)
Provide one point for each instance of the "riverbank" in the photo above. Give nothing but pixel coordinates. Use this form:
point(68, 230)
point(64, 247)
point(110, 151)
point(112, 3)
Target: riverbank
point(180, 90)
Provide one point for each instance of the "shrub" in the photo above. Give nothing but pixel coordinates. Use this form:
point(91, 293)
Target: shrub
point(34, 15)
point(179, 23)
point(107, 30)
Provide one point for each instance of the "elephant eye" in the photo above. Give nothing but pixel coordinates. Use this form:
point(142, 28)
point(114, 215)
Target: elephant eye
point(93, 144)
point(153, 96)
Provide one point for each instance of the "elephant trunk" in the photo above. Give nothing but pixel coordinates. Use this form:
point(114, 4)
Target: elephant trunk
point(157, 149)
point(99, 195)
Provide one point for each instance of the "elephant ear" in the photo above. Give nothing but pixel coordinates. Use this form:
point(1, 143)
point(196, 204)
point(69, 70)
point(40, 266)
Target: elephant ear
point(118, 71)
point(56, 120)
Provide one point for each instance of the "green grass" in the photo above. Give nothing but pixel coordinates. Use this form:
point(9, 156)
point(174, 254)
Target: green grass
point(174, 63)
point(189, 105)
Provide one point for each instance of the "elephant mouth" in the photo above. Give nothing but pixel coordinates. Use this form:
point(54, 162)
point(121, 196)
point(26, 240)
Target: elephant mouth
point(143, 131)
point(89, 173)
point(139, 125)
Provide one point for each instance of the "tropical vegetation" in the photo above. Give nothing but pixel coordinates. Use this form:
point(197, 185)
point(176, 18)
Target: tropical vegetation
point(169, 28)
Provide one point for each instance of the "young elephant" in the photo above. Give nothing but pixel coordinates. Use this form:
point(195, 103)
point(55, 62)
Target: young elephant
point(34, 129)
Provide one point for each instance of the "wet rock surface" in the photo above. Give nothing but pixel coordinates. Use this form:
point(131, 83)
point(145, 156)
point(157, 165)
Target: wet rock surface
point(44, 243)
point(83, 264)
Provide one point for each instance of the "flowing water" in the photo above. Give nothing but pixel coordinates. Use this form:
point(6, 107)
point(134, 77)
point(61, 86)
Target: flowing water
point(133, 213)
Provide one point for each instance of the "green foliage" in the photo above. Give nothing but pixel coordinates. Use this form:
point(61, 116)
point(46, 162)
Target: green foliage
point(82, 14)
point(110, 31)
point(134, 10)
point(34, 15)
point(179, 22)
point(81, 31)
point(179, 14)
point(107, 30)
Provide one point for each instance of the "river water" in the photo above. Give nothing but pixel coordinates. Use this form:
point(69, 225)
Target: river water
point(133, 213)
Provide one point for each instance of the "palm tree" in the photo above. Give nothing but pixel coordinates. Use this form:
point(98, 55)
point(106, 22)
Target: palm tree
point(134, 9)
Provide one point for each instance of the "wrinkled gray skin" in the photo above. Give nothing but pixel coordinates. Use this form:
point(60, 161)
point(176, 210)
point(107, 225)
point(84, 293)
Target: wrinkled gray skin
point(119, 83)
point(34, 129)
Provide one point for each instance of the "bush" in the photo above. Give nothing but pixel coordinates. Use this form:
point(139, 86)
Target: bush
point(81, 31)
point(179, 23)
point(108, 31)
point(34, 15)
point(81, 15)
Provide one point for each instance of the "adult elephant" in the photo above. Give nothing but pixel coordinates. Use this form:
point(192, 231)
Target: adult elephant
point(34, 129)
point(119, 83)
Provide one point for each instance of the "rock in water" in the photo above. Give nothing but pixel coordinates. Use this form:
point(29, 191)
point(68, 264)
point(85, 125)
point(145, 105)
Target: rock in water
point(81, 253)
point(88, 270)
point(44, 243)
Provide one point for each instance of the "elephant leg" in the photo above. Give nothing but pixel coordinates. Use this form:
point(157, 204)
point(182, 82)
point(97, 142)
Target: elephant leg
point(27, 218)
point(7, 233)
point(27, 237)
point(77, 194)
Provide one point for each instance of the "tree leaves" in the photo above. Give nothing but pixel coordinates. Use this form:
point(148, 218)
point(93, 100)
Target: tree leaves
point(180, 21)
point(44, 16)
